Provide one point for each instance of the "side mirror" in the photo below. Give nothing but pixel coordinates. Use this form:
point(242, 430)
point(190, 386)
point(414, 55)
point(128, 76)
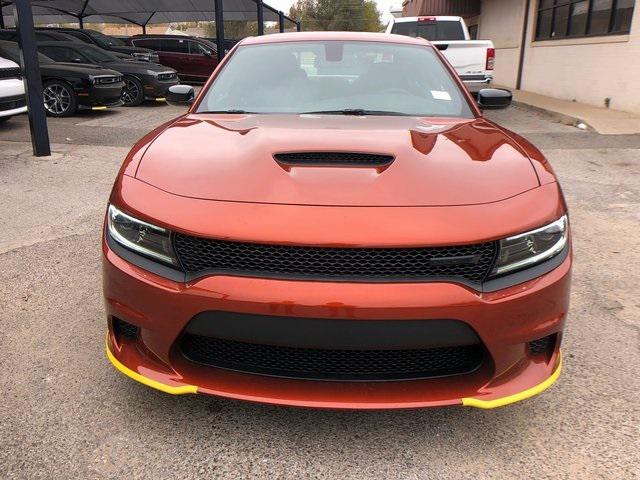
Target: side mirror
point(494, 98)
point(207, 53)
point(181, 95)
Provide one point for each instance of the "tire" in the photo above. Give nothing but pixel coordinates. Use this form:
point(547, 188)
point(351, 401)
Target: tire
point(59, 99)
point(132, 93)
point(4, 119)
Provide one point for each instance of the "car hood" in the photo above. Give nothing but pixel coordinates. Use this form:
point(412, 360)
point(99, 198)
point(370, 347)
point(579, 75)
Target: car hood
point(129, 50)
point(135, 66)
point(81, 68)
point(436, 161)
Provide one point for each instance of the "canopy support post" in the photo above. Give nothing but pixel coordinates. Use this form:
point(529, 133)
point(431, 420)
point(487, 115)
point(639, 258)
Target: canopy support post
point(219, 28)
point(81, 15)
point(298, 26)
point(23, 17)
point(144, 25)
point(281, 21)
point(260, 17)
point(2, 17)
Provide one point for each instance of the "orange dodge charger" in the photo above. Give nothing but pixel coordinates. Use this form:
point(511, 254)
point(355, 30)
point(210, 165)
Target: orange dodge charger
point(334, 224)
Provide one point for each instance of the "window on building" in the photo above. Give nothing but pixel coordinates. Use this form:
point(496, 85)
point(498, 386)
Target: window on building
point(579, 18)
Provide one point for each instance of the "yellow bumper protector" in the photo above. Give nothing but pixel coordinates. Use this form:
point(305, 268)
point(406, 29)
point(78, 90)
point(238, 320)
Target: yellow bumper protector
point(99, 108)
point(161, 99)
point(516, 397)
point(182, 390)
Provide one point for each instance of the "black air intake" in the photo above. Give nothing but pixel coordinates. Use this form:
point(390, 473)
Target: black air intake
point(124, 329)
point(333, 159)
point(543, 345)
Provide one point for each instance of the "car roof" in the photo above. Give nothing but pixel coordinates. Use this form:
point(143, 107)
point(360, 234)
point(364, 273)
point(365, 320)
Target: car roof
point(161, 35)
point(439, 18)
point(334, 36)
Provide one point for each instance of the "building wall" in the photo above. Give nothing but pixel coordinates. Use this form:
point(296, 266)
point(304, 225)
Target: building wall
point(587, 70)
point(463, 8)
point(501, 22)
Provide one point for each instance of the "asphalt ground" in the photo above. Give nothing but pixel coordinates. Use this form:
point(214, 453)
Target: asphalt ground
point(66, 413)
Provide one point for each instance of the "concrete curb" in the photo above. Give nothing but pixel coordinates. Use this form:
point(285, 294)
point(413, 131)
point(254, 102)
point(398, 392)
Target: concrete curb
point(556, 116)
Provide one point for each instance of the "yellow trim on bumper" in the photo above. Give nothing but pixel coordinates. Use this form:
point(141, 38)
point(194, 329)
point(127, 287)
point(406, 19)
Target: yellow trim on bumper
point(99, 108)
point(147, 381)
point(500, 402)
point(161, 99)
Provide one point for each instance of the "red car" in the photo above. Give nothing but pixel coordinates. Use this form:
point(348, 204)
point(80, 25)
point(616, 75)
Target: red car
point(334, 224)
point(193, 58)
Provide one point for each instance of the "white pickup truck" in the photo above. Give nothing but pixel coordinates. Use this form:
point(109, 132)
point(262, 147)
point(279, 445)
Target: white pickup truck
point(12, 99)
point(473, 60)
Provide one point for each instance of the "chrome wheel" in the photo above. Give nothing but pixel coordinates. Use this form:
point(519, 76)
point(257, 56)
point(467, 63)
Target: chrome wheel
point(131, 92)
point(57, 99)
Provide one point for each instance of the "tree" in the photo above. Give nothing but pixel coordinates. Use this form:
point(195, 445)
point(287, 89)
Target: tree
point(348, 15)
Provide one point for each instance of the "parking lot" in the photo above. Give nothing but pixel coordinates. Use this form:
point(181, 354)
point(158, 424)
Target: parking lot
point(66, 413)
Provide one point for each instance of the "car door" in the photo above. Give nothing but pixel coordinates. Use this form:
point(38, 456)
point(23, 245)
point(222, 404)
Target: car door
point(202, 58)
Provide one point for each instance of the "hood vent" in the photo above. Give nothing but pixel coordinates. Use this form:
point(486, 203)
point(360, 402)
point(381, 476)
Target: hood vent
point(333, 159)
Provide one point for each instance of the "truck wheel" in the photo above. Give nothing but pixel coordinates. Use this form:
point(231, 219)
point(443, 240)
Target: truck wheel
point(132, 93)
point(59, 99)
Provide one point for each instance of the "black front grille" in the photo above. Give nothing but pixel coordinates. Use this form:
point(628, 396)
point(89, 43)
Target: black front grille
point(469, 263)
point(11, 104)
point(324, 364)
point(334, 158)
point(13, 72)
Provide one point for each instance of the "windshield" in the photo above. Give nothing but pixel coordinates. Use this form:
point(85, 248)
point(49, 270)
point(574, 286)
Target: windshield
point(96, 54)
point(431, 30)
point(336, 77)
point(104, 40)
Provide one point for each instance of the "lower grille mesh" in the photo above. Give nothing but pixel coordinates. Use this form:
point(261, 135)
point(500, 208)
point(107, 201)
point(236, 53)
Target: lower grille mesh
point(323, 364)
point(466, 262)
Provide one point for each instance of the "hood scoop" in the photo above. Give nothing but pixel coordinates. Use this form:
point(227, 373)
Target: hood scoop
point(333, 159)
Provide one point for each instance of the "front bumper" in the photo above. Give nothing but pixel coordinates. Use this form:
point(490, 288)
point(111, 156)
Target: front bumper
point(475, 83)
point(13, 105)
point(155, 88)
point(101, 96)
point(505, 320)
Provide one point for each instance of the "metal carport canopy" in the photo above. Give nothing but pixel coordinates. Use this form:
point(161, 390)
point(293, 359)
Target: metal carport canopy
point(140, 12)
point(23, 14)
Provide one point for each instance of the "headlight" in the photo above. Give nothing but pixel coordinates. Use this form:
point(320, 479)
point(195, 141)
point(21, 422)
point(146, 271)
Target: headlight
point(141, 237)
point(530, 248)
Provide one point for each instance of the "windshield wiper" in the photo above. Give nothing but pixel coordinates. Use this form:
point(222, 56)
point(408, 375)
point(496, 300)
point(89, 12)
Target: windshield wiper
point(225, 111)
point(357, 112)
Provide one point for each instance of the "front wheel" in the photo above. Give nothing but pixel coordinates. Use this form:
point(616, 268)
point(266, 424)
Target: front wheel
point(59, 99)
point(132, 93)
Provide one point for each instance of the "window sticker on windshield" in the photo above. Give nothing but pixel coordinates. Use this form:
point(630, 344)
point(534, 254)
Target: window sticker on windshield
point(440, 95)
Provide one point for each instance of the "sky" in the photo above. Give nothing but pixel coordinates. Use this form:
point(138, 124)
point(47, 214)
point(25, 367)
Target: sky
point(383, 6)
